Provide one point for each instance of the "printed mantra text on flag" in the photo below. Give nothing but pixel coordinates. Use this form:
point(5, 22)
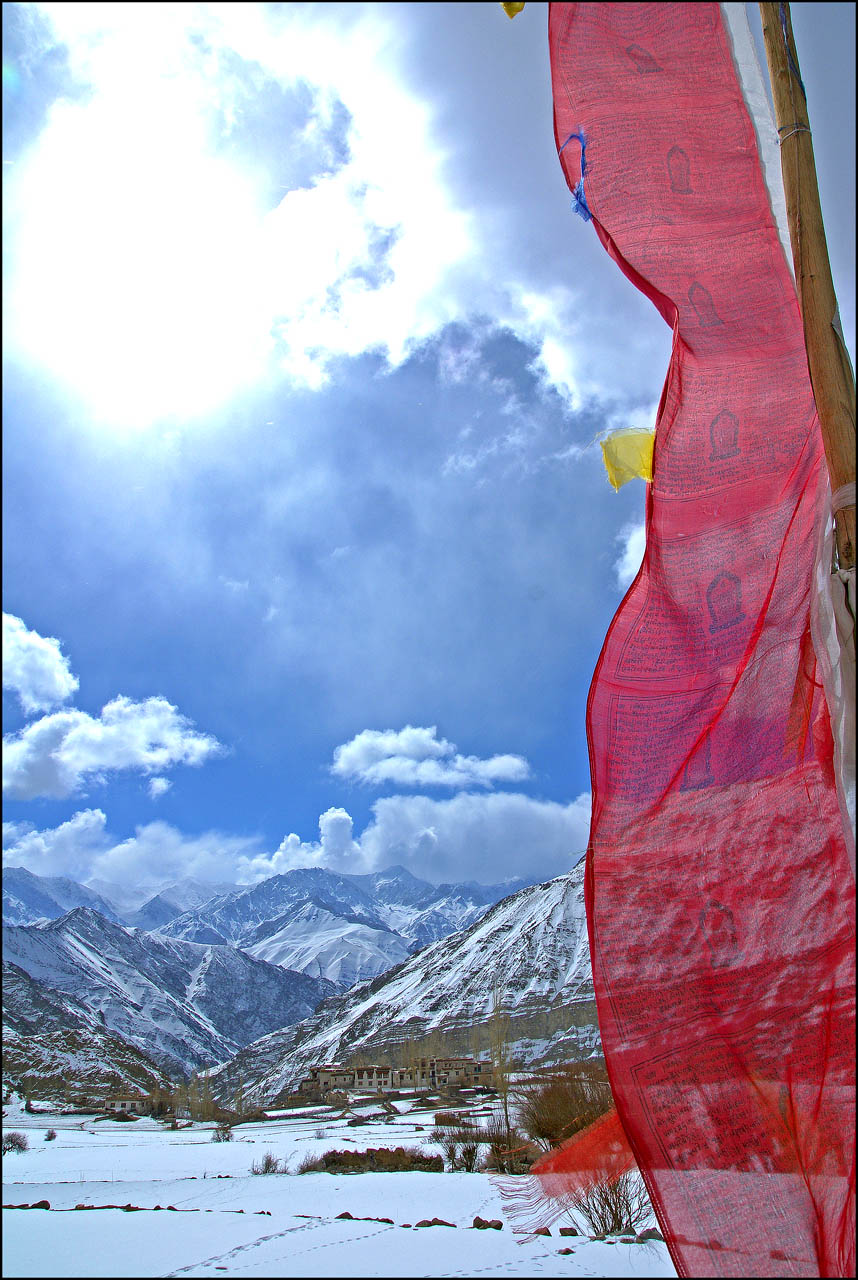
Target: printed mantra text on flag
point(719, 893)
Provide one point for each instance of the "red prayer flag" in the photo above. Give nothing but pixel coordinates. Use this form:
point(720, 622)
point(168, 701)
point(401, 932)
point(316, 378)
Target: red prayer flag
point(719, 887)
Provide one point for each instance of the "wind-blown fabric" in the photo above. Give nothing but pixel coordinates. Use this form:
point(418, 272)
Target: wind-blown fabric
point(718, 879)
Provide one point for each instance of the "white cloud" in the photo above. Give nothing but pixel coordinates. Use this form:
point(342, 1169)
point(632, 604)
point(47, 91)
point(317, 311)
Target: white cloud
point(488, 838)
point(483, 837)
point(70, 849)
point(15, 831)
point(56, 755)
point(336, 850)
point(34, 667)
point(152, 210)
point(156, 854)
point(480, 837)
point(415, 756)
point(159, 853)
point(632, 540)
point(158, 787)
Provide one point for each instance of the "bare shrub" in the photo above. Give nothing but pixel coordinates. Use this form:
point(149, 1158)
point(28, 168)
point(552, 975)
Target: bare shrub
point(447, 1138)
point(373, 1160)
point(311, 1164)
point(269, 1164)
point(50, 1134)
point(460, 1143)
point(611, 1205)
point(222, 1132)
point(16, 1142)
point(469, 1154)
point(509, 1150)
point(553, 1109)
point(446, 1118)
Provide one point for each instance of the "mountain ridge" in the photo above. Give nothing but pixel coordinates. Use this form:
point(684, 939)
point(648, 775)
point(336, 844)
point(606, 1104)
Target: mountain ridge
point(526, 961)
point(28, 897)
point(363, 923)
point(185, 1005)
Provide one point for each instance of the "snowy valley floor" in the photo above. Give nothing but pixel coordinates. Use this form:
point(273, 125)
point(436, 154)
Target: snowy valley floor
point(216, 1217)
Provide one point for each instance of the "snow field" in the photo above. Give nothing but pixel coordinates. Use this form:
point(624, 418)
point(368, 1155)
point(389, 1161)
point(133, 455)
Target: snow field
point(227, 1219)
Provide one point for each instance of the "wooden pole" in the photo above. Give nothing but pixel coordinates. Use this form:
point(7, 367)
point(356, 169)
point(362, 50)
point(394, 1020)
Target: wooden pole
point(828, 361)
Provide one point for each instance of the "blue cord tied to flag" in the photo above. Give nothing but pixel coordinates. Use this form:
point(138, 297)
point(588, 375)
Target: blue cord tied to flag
point(579, 200)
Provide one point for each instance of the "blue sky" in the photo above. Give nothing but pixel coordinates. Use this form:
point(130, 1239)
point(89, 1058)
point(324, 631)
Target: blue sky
point(309, 552)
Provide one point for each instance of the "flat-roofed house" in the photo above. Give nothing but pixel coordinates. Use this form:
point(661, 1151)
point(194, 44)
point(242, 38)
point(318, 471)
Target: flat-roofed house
point(133, 1103)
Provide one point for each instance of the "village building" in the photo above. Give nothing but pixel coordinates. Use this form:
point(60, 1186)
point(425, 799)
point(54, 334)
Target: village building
point(327, 1078)
point(461, 1072)
point(420, 1073)
point(134, 1103)
point(374, 1079)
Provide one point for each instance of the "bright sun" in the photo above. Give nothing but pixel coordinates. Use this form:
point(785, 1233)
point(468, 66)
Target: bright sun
point(149, 275)
point(137, 278)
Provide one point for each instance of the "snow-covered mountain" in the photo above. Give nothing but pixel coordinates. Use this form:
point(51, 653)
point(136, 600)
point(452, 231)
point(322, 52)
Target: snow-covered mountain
point(528, 957)
point(342, 927)
point(128, 898)
point(236, 916)
point(184, 1004)
point(424, 912)
point(55, 1047)
point(28, 897)
point(314, 940)
point(345, 928)
point(173, 900)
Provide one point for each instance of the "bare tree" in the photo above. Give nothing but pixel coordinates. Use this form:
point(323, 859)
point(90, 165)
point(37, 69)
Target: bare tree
point(499, 1035)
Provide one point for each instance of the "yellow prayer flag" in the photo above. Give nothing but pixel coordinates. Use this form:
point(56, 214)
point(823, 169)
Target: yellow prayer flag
point(512, 9)
point(627, 454)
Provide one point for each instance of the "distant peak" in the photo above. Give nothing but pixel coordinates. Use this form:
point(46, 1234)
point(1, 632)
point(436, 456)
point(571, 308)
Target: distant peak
point(396, 872)
point(84, 915)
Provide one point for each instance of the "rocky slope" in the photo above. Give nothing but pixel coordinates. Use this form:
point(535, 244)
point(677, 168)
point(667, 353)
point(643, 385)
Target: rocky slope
point(184, 1004)
point(55, 1048)
point(524, 964)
